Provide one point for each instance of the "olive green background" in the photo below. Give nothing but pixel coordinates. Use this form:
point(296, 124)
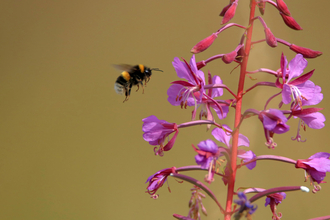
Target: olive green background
point(69, 147)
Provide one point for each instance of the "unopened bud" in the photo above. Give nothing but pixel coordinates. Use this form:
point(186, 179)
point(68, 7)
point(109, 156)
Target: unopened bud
point(204, 210)
point(270, 38)
point(262, 6)
point(306, 52)
point(229, 57)
point(224, 10)
point(229, 13)
point(290, 22)
point(177, 216)
point(190, 203)
point(204, 44)
point(281, 6)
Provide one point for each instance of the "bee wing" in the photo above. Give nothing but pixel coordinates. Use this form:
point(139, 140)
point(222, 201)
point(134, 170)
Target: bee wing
point(123, 67)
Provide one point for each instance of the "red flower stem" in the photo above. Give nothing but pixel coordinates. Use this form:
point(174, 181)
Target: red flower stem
point(260, 84)
point(219, 56)
point(272, 3)
point(228, 26)
point(263, 70)
point(274, 190)
point(213, 86)
point(269, 157)
point(201, 122)
point(258, 41)
point(238, 113)
point(273, 96)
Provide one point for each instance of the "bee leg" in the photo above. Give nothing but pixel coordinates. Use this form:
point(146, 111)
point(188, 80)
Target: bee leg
point(126, 99)
point(147, 80)
point(127, 93)
point(141, 82)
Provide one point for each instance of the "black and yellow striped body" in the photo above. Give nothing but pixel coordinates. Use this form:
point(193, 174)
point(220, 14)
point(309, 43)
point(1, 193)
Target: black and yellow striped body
point(132, 76)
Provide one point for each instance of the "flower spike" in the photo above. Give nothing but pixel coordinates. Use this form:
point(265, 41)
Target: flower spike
point(224, 155)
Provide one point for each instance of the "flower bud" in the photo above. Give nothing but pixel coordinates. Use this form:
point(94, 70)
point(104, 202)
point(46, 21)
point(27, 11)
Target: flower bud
point(224, 10)
point(229, 13)
point(281, 6)
point(204, 210)
point(307, 53)
point(229, 57)
point(290, 22)
point(204, 44)
point(270, 38)
point(262, 6)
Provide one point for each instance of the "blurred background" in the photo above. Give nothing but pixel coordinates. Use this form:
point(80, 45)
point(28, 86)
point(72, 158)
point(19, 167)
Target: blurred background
point(71, 149)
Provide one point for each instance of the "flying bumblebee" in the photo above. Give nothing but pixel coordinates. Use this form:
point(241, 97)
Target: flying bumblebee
point(132, 76)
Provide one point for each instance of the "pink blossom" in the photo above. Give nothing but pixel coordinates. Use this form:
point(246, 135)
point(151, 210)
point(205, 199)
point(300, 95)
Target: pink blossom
point(156, 131)
point(158, 179)
point(185, 93)
point(316, 165)
point(300, 88)
point(273, 200)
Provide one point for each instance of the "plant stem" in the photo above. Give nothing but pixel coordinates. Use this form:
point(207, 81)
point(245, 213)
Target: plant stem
point(233, 156)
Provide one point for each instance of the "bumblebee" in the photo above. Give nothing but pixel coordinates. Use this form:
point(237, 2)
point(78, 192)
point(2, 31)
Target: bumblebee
point(132, 76)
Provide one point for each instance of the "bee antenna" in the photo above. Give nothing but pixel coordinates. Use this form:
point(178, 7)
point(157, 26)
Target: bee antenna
point(156, 69)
